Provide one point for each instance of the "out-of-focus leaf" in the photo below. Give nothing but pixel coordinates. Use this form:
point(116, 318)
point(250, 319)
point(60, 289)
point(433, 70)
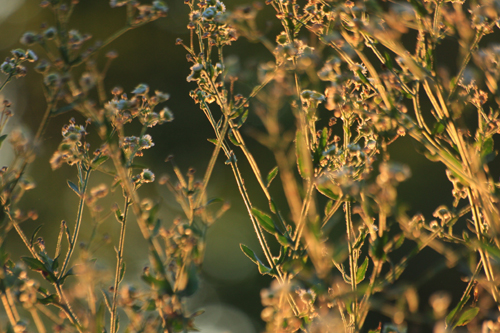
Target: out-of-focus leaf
point(304, 162)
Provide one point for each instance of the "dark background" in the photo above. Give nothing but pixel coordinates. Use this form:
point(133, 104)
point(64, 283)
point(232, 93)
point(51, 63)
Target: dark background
point(231, 285)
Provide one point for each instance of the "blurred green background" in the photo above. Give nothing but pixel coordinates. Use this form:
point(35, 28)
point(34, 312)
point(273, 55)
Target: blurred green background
point(230, 290)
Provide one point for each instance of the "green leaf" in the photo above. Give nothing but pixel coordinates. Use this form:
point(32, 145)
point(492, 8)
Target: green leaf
point(138, 166)
point(363, 78)
point(263, 269)
point(74, 187)
point(98, 161)
point(243, 119)
point(304, 162)
point(162, 285)
point(100, 322)
point(419, 7)
point(107, 299)
point(487, 148)
point(119, 215)
point(399, 241)
point(70, 272)
point(328, 188)
point(232, 138)
point(34, 264)
point(152, 214)
point(466, 317)
point(122, 272)
point(2, 139)
point(492, 250)
point(214, 141)
point(438, 128)
point(55, 264)
point(33, 236)
point(265, 221)
point(388, 60)
point(51, 299)
point(271, 175)
point(360, 274)
point(193, 282)
point(450, 318)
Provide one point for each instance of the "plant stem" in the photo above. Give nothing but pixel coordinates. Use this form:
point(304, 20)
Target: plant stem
point(8, 310)
point(352, 264)
point(78, 223)
point(38, 321)
point(119, 262)
point(66, 307)
point(465, 62)
point(7, 80)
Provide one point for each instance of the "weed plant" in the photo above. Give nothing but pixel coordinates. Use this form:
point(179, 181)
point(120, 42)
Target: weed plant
point(344, 73)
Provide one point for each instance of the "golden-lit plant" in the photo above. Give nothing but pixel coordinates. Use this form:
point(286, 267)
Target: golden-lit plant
point(342, 76)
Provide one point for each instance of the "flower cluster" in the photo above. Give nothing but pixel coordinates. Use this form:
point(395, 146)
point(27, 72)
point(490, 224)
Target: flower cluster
point(211, 21)
point(73, 148)
point(121, 109)
point(12, 65)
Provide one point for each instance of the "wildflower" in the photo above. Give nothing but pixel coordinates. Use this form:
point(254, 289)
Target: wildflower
point(141, 89)
point(312, 97)
point(31, 56)
point(146, 142)
point(282, 38)
point(7, 67)
point(160, 6)
point(195, 72)
point(42, 66)
point(147, 176)
point(51, 80)
point(19, 54)
point(29, 38)
point(209, 13)
point(100, 191)
point(50, 33)
point(166, 115)
point(87, 81)
point(162, 97)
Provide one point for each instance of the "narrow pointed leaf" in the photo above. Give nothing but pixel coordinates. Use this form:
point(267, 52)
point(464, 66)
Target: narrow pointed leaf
point(33, 236)
point(2, 139)
point(328, 188)
point(74, 187)
point(271, 175)
point(122, 272)
point(34, 264)
point(467, 316)
point(263, 269)
point(98, 161)
point(304, 162)
point(360, 274)
point(265, 221)
point(51, 299)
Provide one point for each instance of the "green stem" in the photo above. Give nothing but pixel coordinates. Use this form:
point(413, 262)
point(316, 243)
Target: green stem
point(7, 80)
point(466, 293)
point(66, 307)
point(119, 263)
point(303, 214)
point(78, 223)
point(475, 43)
point(352, 263)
